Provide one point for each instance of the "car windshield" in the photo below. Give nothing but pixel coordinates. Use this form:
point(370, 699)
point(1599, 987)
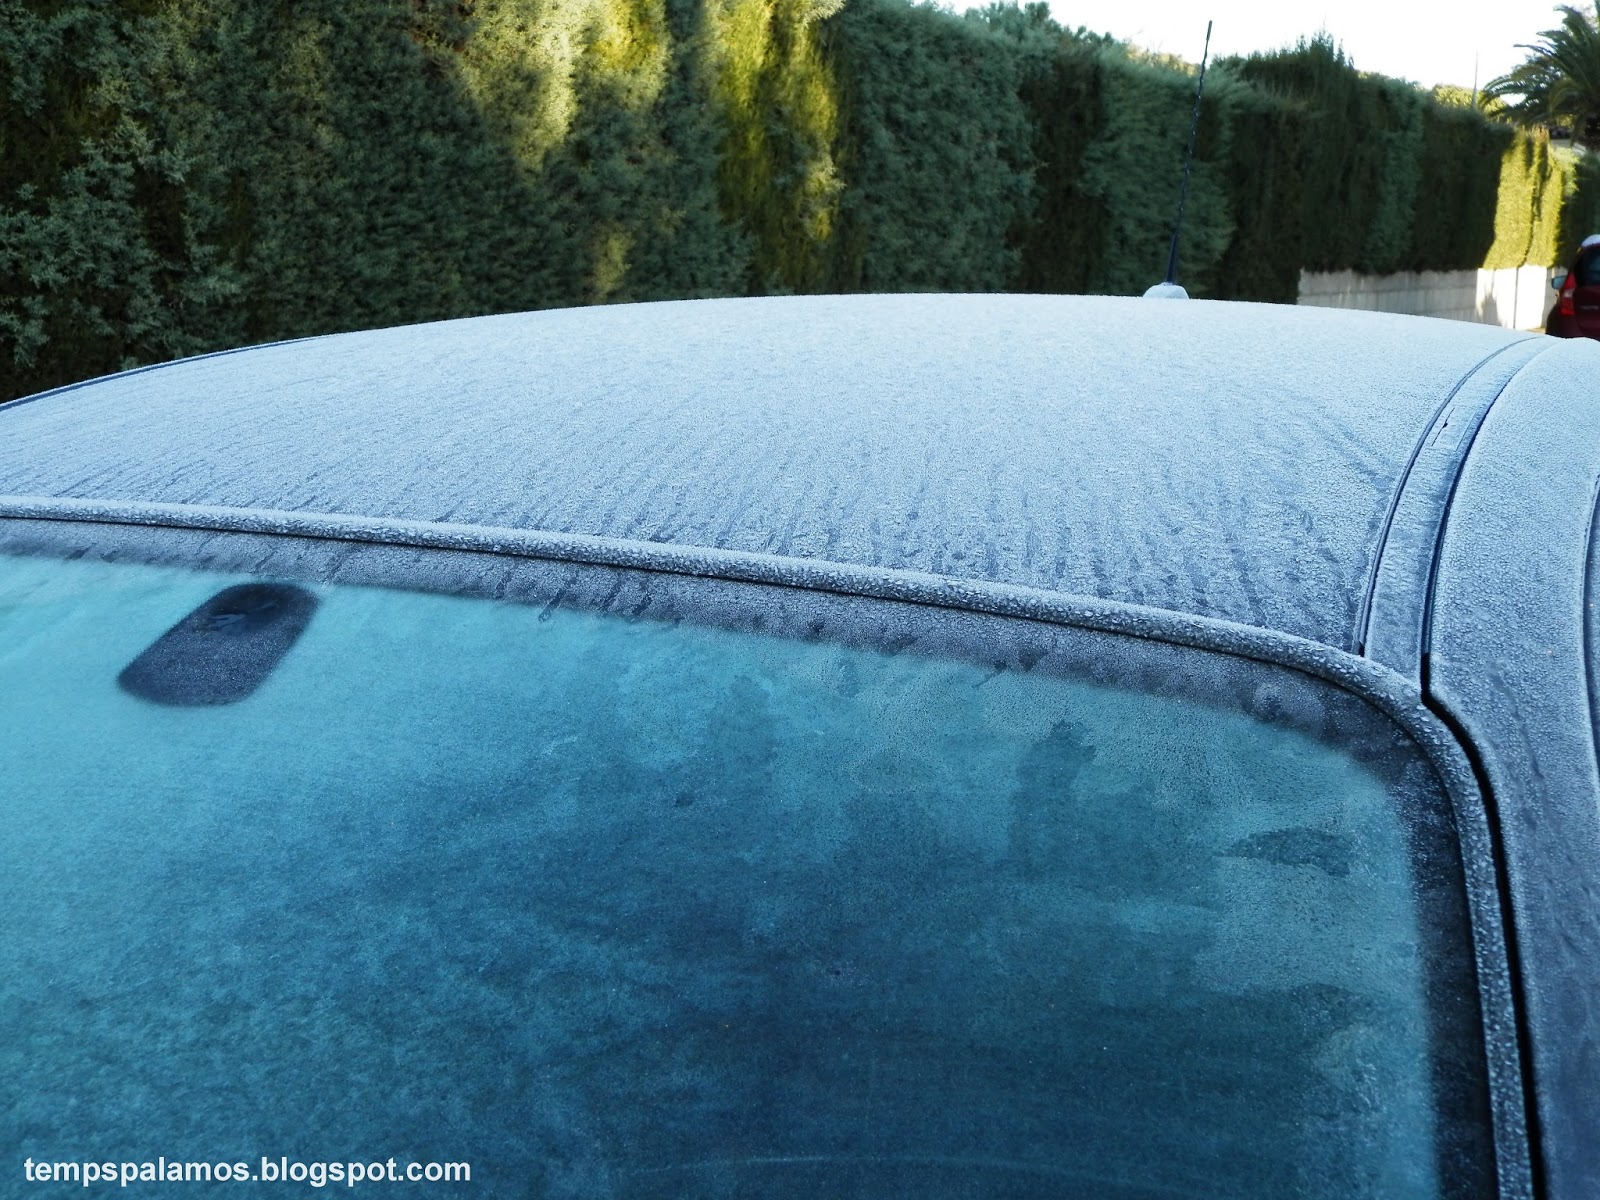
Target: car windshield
point(1588, 268)
point(625, 885)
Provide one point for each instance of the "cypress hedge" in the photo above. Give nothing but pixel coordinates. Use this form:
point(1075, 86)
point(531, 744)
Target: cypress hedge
point(179, 176)
point(936, 151)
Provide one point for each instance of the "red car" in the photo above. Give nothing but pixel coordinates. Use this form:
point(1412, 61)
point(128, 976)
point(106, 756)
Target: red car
point(1577, 308)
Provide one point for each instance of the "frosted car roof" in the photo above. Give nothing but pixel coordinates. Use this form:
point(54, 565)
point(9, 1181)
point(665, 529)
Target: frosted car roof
point(1236, 461)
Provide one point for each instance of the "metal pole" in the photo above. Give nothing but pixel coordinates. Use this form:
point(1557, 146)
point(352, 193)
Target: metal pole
point(1188, 161)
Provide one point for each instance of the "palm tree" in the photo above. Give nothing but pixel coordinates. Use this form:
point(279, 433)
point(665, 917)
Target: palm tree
point(1560, 83)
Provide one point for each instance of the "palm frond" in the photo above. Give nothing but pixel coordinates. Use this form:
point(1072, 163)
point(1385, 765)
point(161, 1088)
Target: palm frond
point(1559, 83)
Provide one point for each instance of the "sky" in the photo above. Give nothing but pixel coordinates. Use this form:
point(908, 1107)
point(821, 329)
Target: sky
point(1427, 41)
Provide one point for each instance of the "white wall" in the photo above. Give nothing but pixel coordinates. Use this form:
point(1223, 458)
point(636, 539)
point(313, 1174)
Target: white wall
point(1516, 297)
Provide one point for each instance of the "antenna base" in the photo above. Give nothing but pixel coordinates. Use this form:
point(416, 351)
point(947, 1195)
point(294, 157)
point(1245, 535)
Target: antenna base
point(1165, 291)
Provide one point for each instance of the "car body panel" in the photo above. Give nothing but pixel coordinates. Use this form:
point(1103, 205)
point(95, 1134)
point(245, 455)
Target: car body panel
point(1233, 461)
point(1586, 300)
point(1586, 296)
point(1584, 319)
point(1397, 609)
point(1266, 480)
point(1507, 660)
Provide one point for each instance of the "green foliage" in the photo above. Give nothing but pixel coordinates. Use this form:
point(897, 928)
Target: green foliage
point(1033, 19)
point(1398, 149)
point(1301, 163)
point(102, 263)
point(1536, 183)
point(1263, 162)
point(1064, 246)
point(242, 173)
point(1350, 214)
point(1580, 210)
point(1457, 189)
point(778, 173)
point(1559, 84)
point(1391, 178)
point(937, 158)
point(1550, 198)
point(1134, 168)
point(179, 176)
point(1520, 195)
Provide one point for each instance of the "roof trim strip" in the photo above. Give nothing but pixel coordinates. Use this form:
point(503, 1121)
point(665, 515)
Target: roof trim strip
point(1391, 625)
point(1395, 694)
point(9, 405)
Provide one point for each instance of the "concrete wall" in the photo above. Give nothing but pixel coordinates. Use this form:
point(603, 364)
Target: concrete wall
point(1516, 298)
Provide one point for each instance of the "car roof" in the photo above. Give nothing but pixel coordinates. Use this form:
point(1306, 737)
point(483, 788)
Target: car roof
point(1234, 461)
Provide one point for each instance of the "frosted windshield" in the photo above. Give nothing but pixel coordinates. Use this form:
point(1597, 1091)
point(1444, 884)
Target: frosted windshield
point(615, 906)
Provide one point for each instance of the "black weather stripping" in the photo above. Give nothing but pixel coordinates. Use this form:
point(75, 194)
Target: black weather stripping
point(223, 650)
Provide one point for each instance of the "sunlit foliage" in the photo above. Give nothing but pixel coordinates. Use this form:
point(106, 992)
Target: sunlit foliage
point(778, 100)
point(1549, 201)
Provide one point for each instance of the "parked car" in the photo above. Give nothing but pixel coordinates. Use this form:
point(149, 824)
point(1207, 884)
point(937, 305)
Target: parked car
point(1576, 312)
point(852, 746)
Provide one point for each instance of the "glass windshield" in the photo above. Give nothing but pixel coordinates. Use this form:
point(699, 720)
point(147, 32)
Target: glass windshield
point(1588, 268)
point(611, 896)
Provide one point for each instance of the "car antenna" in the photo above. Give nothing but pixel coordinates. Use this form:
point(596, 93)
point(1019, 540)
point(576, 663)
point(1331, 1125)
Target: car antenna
point(1169, 288)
